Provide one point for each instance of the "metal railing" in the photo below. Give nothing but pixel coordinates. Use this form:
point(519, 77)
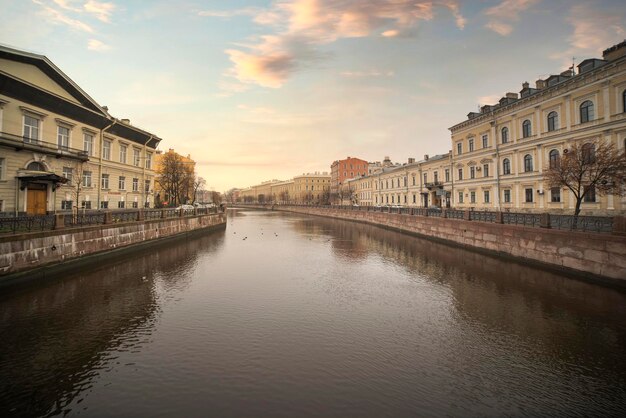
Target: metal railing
point(525, 219)
point(47, 147)
point(20, 224)
point(583, 223)
point(84, 219)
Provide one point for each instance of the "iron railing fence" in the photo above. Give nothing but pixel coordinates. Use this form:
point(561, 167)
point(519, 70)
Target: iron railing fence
point(583, 223)
point(84, 219)
point(20, 224)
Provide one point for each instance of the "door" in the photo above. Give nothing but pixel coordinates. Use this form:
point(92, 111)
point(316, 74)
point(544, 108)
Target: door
point(36, 199)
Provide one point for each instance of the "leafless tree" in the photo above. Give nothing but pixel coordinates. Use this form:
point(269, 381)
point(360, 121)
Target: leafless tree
point(198, 187)
point(175, 178)
point(588, 168)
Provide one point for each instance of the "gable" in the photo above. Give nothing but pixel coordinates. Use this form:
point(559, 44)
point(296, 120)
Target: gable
point(33, 75)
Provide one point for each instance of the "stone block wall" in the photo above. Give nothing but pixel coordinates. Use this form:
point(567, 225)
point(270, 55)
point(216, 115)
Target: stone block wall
point(36, 249)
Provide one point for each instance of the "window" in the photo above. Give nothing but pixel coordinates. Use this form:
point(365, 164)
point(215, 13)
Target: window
point(135, 205)
point(472, 172)
point(120, 204)
point(528, 163)
point(507, 196)
point(460, 174)
point(136, 157)
point(147, 186)
point(472, 197)
point(406, 181)
point(590, 194)
point(460, 197)
point(87, 178)
point(526, 129)
point(104, 204)
point(529, 195)
point(436, 176)
point(553, 121)
point(3, 165)
point(586, 111)
point(471, 144)
point(66, 204)
point(447, 174)
point(106, 150)
point(35, 166)
point(31, 129)
point(506, 166)
point(413, 180)
point(105, 181)
point(425, 178)
point(85, 204)
point(123, 153)
point(485, 141)
point(88, 143)
point(554, 158)
point(486, 196)
point(624, 101)
point(67, 173)
point(589, 153)
point(148, 160)
point(63, 137)
point(505, 135)
point(555, 194)
point(414, 198)
point(459, 148)
point(122, 183)
point(135, 185)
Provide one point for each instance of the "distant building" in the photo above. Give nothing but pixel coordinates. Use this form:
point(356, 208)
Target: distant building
point(342, 170)
point(62, 151)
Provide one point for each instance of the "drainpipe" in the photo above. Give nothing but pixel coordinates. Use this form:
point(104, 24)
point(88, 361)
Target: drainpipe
point(143, 186)
point(497, 164)
point(99, 180)
point(17, 196)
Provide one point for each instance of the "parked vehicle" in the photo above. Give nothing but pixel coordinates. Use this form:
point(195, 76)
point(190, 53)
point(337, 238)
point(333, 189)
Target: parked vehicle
point(185, 207)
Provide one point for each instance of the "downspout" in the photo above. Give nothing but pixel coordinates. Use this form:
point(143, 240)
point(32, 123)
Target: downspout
point(99, 180)
point(143, 186)
point(497, 164)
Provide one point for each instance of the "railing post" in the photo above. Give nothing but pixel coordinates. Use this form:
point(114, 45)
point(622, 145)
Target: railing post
point(544, 220)
point(181, 212)
point(619, 225)
point(140, 215)
point(499, 217)
point(108, 218)
point(466, 215)
point(162, 213)
point(59, 221)
point(444, 213)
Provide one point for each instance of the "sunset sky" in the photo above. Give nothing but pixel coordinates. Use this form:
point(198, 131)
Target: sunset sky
point(257, 90)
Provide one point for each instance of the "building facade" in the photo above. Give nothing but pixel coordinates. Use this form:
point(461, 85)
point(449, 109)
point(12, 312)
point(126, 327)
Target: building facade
point(500, 154)
point(60, 150)
point(342, 170)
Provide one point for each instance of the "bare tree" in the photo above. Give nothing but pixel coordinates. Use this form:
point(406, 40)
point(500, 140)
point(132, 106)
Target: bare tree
point(77, 183)
point(587, 169)
point(175, 178)
point(198, 186)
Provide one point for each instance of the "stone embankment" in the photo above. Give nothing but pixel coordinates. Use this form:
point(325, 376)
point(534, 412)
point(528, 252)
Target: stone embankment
point(591, 255)
point(26, 254)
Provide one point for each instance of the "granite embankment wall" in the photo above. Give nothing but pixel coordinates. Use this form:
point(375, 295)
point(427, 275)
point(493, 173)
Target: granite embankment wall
point(587, 254)
point(25, 252)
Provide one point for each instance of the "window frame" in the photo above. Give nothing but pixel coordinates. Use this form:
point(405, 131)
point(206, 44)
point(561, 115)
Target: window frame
point(506, 166)
point(504, 135)
point(554, 158)
point(553, 121)
point(63, 141)
point(587, 111)
point(527, 128)
point(529, 195)
point(528, 163)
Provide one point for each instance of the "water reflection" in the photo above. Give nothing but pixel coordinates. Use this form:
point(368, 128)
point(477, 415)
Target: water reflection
point(58, 336)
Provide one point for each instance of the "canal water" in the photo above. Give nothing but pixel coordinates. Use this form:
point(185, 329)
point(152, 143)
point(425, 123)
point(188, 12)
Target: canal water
point(284, 315)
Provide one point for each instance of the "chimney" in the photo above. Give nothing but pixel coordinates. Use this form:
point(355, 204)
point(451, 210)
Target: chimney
point(425, 157)
point(540, 84)
point(411, 160)
point(106, 108)
point(525, 85)
point(511, 96)
point(615, 52)
point(126, 121)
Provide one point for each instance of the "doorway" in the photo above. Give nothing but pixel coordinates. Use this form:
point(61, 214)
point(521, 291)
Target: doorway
point(36, 199)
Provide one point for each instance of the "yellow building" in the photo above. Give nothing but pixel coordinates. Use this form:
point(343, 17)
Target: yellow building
point(500, 154)
point(60, 150)
point(312, 188)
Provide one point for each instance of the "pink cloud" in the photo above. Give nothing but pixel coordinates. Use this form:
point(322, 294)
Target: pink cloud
point(502, 16)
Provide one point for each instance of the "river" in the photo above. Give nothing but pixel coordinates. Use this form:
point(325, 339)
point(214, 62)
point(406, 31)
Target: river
point(285, 315)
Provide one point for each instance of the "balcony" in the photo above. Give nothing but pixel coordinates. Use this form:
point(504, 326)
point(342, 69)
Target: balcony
point(434, 185)
point(20, 143)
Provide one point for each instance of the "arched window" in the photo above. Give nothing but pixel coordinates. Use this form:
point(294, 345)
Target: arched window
point(526, 128)
point(528, 163)
point(624, 100)
point(554, 158)
point(586, 111)
point(505, 133)
point(506, 166)
point(35, 166)
point(589, 153)
point(553, 121)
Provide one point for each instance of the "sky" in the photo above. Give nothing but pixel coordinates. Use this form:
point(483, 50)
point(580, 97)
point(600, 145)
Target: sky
point(270, 89)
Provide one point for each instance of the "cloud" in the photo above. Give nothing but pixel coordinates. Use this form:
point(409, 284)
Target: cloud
point(502, 16)
point(249, 11)
point(58, 17)
point(301, 25)
point(488, 100)
point(101, 10)
point(594, 29)
point(372, 73)
point(96, 45)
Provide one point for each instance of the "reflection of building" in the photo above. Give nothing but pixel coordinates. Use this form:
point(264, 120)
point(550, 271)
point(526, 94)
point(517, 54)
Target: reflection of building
point(500, 154)
point(62, 150)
